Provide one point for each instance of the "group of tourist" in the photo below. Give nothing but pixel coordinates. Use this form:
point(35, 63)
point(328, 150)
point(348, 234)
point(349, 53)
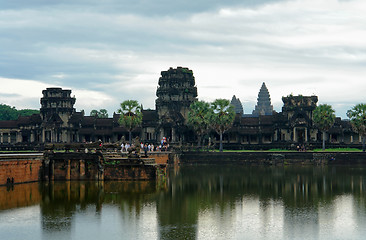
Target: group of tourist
point(301, 148)
point(147, 147)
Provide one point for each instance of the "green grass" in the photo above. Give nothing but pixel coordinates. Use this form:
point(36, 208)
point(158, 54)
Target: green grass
point(285, 150)
point(280, 150)
point(270, 150)
point(337, 150)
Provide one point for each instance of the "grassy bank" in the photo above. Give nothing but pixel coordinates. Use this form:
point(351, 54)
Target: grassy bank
point(314, 150)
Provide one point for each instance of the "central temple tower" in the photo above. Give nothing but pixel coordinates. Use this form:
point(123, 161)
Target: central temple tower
point(176, 92)
point(263, 106)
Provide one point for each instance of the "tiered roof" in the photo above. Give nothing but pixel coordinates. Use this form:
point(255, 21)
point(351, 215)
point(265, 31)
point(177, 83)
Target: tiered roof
point(238, 107)
point(263, 106)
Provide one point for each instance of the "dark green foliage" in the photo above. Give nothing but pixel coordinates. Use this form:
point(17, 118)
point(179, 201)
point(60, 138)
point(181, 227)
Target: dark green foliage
point(324, 118)
point(222, 117)
point(131, 115)
point(198, 118)
point(102, 113)
point(8, 113)
point(27, 112)
point(357, 115)
point(11, 113)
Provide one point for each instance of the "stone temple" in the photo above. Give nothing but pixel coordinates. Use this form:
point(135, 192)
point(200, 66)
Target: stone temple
point(263, 106)
point(176, 92)
point(59, 122)
point(238, 107)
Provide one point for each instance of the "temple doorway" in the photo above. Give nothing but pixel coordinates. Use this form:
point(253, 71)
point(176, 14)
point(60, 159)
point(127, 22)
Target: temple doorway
point(300, 135)
point(168, 133)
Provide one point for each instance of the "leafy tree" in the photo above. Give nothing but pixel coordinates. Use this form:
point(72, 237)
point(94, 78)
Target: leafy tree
point(7, 112)
point(198, 118)
point(131, 116)
point(94, 113)
point(102, 113)
point(222, 117)
point(357, 115)
point(11, 113)
point(27, 112)
point(324, 118)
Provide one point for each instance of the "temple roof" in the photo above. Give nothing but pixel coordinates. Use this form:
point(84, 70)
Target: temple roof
point(104, 122)
point(238, 107)
point(9, 124)
point(149, 115)
point(263, 106)
point(76, 117)
point(251, 121)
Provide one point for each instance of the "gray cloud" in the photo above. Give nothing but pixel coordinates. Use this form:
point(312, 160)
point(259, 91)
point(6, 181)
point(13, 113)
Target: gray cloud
point(118, 48)
point(140, 7)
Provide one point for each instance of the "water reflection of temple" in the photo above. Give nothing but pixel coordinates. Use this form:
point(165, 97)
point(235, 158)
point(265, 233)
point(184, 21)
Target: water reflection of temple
point(202, 201)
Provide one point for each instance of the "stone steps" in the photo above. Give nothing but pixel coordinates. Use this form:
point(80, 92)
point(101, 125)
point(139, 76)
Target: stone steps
point(117, 157)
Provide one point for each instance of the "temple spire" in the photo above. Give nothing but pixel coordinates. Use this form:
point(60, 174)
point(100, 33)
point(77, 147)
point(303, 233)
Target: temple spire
point(238, 107)
point(263, 106)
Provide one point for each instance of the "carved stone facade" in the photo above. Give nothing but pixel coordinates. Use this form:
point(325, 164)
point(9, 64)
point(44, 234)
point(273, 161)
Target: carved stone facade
point(59, 122)
point(238, 107)
point(57, 106)
point(176, 92)
point(263, 106)
point(298, 111)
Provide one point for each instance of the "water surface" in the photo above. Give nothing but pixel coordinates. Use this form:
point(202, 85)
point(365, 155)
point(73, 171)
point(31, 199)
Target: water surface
point(194, 202)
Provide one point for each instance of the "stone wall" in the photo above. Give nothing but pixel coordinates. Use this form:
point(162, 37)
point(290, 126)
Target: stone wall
point(73, 166)
point(160, 157)
point(20, 169)
point(273, 158)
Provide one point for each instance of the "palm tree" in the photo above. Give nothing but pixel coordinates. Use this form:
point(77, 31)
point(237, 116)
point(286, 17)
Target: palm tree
point(131, 116)
point(222, 117)
point(198, 118)
point(102, 113)
point(357, 115)
point(324, 118)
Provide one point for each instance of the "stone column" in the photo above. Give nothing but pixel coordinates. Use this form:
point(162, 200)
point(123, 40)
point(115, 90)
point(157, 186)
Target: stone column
point(173, 135)
point(32, 136)
point(294, 137)
point(1, 137)
point(52, 134)
point(275, 136)
point(306, 134)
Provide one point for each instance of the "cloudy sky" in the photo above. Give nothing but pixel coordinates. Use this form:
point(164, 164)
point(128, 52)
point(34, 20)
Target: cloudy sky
point(108, 51)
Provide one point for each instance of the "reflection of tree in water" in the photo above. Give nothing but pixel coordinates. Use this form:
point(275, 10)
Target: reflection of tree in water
point(195, 189)
point(130, 196)
point(296, 186)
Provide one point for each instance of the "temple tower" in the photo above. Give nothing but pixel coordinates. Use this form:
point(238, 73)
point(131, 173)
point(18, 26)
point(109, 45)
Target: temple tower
point(263, 106)
point(176, 92)
point(298, 110)
point(56, 108)
point(238, 107)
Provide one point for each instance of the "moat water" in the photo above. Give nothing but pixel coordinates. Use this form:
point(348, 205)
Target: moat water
point(194, 202)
